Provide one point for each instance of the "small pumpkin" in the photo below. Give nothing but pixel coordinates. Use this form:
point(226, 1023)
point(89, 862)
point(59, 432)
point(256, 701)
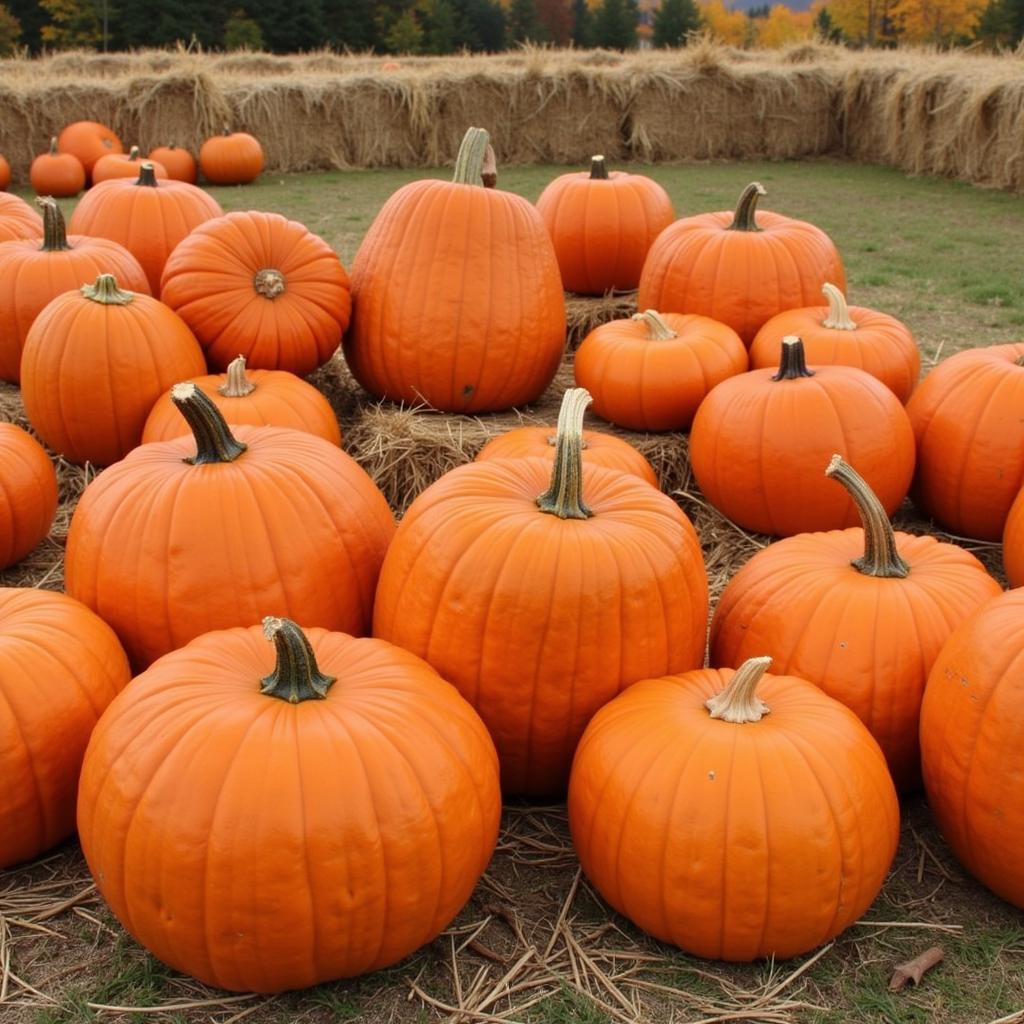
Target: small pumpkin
point(180, 163)
point(28, 494)
point(18, 219)
point(602, 224)
point(124, 165)
point(652, 371)
point(232, 158)
point(88, 140)
point(735, 814)
point(57, 174)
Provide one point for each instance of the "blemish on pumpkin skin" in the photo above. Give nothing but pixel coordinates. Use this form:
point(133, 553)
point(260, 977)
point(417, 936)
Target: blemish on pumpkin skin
point(467, 390)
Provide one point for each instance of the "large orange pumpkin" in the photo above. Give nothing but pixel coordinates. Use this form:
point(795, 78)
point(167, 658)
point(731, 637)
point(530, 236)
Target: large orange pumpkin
point(970, 440)
point(541, 609)
point(180, 163)
point(739, 268)
point(759, 441)
point(732, 823)
point(232, 158)
point(57, 174)
point(262, 286)
point(60, 666)
point(95, 361)
point(972, 757)
point(18, 219)
point(88, 140)
point(1013, 543)
point(269, 826)
point(862, 613)
point(602, 224)
point(31, 276)
point(204, 532)
point(457, 300)
point(124, 165)
point(28, 494)
point(5, 173)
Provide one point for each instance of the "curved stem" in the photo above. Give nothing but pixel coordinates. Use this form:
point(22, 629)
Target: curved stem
point(53, 145)
point(745, 217)
point(792, 362)
point(55, 234)
point(214, 440)
point(598, 168)
point(469, 164)
point(657, 329)
point(564, 498)
point(105, 291)
point(738, 703)
point(269, 282)
point(147, 175)
point(880, 556)
point(296, 676)
point(489, 170)
point(838, 313)
point(237, 385)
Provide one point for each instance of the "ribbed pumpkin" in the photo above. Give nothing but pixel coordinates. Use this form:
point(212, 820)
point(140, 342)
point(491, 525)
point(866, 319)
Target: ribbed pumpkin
point(1013, 543)
point(28, 494)
point(602, 224)
point(231, 158)
point(31, 276)
point(18, 219)
point(56, 174)
point(259, 398)
point(732, 823)
point(541, 609)
point(262, 286)
point(88, 140)
point(95, 361)
point(457, 300)
point(60, 666)
point(739, 268)
point(267, 826)
point(652, 371)
point(180, 163)
point(972, 757)
point(205, 532)
point(861, 613)
point(970, 440)
point(148, 217)
point(124, 165)
point(841, 335)
point(759, 442)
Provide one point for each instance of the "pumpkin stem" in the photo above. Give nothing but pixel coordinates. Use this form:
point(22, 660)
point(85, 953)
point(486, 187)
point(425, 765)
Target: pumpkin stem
point(147, 175)
point(792, 362)
point(296, 676)
point(214, 440)
point(55, 233)
point(237, 384)
point(598, 168)
point(745, 218)
point(564, 498)
point(738, 703)
point(53, 145)
point(105, 291)
point(133, 153)
point(489, 170)
point(1019, 360)
point(469, 164)
point(657, 329)
point(880, 556)
point(269, 282)
point(838, 313)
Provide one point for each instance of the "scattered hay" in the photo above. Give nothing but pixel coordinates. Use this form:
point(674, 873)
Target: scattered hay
point(583, 314)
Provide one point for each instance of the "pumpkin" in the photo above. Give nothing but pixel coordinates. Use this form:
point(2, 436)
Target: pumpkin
point(971, 753)
point(862, 613)
point(5, 173)
point(652, 371)
point(346, 784)
point(739, 268)
point(735, 814)
point(95, 360)
point(57, 174)
point(18, 219)
point(232, 158)
point(88, 140)
point(970, 440)
point(457, 300)
point(60, 666)
point(541, 609)
point(843, 335)
point(203, 532)
point(260, 285)
point(602, 224)
point(28, 494)
point(32, 275)
point(124, 165)
point(759, 441)
point(260, 398)
point(148, 217)
point(180, 163)
point(1013, 543)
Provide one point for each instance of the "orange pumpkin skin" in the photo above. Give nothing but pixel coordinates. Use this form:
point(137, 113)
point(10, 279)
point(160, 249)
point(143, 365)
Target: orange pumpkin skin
point(88, 140)
point(234, 158)
point(28, 494)
point(970, 440)
point(692, 828)
point(262, 286)
point(180, 163)
point(485, 330)
point(1013, 543)
point(602, 224)
point(363, 820)
point(148, 217)
point(60, 666)
point(5, 173)
point(743, 276)
point(56, 174)
point(124, 165)
point(18, 219)
point(971, 755)
point(648, 377)
point(95, 360)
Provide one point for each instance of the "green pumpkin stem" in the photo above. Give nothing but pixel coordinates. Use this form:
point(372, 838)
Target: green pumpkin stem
point(105, 291)
point(745, 217)
point(237, 385)
point(738, 703)
point(657, 328)
point(147, 175)
point(133, 153)
point(55, 233)
point(564, 498)
point(838, 312)
point(214, 440)
point(880, 556)
point(792, 361)
point(598, 168)
point(296, 676)
point(469, 164)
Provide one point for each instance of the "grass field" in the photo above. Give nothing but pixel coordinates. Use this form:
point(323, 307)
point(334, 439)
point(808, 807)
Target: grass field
point(535, 944)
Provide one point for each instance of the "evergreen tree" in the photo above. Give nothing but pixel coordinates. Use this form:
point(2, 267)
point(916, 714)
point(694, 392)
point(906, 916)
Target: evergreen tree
point(10, 32)
point(351, 24)
point(615, 24)
point(141, 23)
point(556, 20)
point(582, 29)
point(292, 27)
point(72, 23)
point(485, 24)
point(442, 28)
point(522, 23)
point(405, 35)
point(673, 20)
point(826, 28)
point(32, 18)
point(242, 32)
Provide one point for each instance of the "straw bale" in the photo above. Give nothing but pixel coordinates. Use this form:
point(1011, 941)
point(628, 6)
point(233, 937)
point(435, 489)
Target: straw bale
point(583, 313)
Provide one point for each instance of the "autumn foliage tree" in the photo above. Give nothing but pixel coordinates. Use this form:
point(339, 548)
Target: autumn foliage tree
point(784, 26)
point(723, 23)
point(937, 21)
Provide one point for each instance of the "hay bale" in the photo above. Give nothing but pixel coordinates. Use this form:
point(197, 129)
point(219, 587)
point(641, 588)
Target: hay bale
point(583, 312)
